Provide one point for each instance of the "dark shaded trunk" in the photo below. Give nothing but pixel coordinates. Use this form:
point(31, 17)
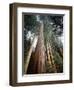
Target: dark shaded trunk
point(30, 69)
point(28, 59)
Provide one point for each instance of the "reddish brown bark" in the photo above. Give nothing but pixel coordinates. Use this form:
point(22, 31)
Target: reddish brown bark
point(39, 59)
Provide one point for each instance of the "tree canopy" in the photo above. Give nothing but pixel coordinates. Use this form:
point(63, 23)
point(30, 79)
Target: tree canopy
point(53, 28)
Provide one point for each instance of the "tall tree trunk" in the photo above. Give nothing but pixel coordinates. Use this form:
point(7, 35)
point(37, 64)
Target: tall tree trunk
point(50, 58)
point(39, 62)
point(29, 55)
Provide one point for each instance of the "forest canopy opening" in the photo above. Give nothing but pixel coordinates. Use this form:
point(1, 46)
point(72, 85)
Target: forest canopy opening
point(43, 43)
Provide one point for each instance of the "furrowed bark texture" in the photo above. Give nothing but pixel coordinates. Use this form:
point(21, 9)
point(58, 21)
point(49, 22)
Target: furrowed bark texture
point(39, 61)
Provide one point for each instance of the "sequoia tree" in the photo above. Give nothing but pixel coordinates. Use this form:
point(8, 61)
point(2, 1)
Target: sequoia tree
point(39, 63)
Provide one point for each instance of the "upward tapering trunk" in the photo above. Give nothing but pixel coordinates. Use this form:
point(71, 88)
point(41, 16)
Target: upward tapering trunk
point(39, 62)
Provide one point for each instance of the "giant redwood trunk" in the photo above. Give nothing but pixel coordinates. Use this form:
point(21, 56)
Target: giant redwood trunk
point(39, 56)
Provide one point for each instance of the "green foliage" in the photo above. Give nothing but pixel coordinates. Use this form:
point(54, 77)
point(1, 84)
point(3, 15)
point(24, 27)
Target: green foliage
point(30, 22)
point(50, 35)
